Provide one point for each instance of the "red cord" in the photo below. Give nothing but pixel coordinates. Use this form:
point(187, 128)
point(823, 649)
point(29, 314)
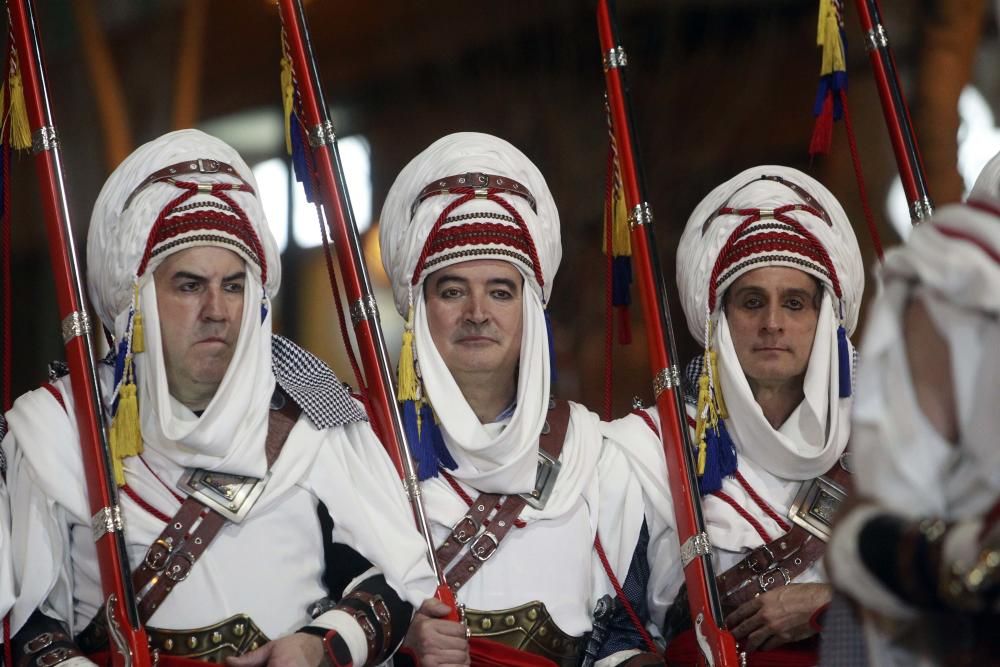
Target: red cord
point(179, 497)
point(8, 650)
point(137, 499)
point(862, 191)
point(722, 495)
point(626, 604)
point(785, 526)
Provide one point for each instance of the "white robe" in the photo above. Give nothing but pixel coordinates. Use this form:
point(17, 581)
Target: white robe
point(269, 567)
point(552, 559)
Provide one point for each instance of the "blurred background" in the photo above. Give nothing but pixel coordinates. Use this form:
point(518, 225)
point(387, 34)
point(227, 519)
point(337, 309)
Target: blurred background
point(717, 86)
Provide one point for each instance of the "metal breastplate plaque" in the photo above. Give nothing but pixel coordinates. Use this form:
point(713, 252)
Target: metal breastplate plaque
point(527, 628)
point(232, 496)
point(817, 501)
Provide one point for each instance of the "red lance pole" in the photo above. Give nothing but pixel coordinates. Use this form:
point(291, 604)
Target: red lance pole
point(717, 645)
point(335, 207)
point(128, 638)
point(897, 116)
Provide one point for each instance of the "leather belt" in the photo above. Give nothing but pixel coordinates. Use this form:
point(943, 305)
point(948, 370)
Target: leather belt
point(482, 532)
point(214, 643)
point(476, 181)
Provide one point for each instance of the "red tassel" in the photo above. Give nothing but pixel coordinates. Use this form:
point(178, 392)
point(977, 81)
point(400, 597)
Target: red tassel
point(624, 325)
point(822, 137)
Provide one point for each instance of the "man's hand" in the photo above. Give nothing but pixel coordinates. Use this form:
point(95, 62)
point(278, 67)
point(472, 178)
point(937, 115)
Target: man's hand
point(295, 650)
point(779, 616)
point(437, 643)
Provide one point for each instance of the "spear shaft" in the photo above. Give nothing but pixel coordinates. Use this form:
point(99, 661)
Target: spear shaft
point(716, 644)
point(128, 637)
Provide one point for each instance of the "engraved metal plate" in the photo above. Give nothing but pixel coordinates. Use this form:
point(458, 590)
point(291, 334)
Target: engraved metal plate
point(106, 520)
point(232, 496)
point(545, 481)
point(694, 546)
point(815, 506)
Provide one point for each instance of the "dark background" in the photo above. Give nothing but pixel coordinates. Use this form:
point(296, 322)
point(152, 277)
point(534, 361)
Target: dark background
point(718, 86)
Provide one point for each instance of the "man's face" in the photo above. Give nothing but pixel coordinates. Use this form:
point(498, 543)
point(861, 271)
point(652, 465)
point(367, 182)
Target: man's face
point(200, 297)
point(474, 311)
point(772, 313)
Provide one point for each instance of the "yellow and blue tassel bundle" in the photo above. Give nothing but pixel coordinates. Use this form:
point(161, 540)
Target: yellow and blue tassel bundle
point(293, 131)
point(419, 421)
point(125, 435)
point(828, 106)
point(616, 228)
point(716, 458)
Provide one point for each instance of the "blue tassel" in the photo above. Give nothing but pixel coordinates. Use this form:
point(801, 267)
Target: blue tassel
point(552, 351)
point(720, 459)
point(621, 281)
point(423, 455)
point(844, 354)
point(299, 161)
point(727, 452)
point(119, 369)
point(444, 457)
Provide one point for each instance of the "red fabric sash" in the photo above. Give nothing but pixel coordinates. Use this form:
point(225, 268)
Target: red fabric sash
point(683, 652)
point(103, 659)
point(486, 653)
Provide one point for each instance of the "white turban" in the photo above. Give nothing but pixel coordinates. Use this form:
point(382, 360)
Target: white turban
point(118, 236)
point(776, 216)
point(707, 233)
point(425, 229)
point(404, 231)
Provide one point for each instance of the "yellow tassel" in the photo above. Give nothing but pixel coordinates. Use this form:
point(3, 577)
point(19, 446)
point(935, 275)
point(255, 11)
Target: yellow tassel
point(125, 437)
point(720, 402)
point(828, 38)
point(409, 387)
point(138, 334)
point(287, 99)
point(20, 130)
point(702, 455)
point(621, 240)
point(703, 398)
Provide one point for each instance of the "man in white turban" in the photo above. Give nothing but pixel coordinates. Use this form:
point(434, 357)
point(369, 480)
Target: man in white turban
point(525, 494)
point(920, 548)
point(218, 430)
point(770, 279)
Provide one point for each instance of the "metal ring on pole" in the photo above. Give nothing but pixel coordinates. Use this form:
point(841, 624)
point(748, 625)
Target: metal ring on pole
point(107, 520)
point(322, 134)
point(876, 38)
point(75, 324)
point(641, 214)
point(921, 210)
point(694, 546)
point(365, 308)
point(666, 378)
point(615, 58)
point(44, 139)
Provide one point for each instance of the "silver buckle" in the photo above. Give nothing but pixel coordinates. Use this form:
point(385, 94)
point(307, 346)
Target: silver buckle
point(483, 552)
point(815, 506)
point(232, 496)
point(770, 560)
point(176, 570)
point(463, 534)
point(767, 579)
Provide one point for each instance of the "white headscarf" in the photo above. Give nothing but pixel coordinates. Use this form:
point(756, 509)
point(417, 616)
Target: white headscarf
point(120, 244)
point(490, 457)
point(812, 438)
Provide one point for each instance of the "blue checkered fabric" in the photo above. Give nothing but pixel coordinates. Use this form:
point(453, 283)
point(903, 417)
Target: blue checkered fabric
point(314, 387)
point(690, 380)
point(622, 634)
point(842, 643)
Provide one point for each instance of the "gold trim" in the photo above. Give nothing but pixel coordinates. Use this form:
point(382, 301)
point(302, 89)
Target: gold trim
point(213, 643)
point(529, 628)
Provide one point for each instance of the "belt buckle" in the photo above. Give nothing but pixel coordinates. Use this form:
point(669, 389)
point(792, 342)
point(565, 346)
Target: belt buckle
point(157, 554)
point(178, 572)
point(483, 552)
point(53, 657)
point(464, 530)
point(208, 166)
point(37, 643)
point(762, 570)
point(767, 579)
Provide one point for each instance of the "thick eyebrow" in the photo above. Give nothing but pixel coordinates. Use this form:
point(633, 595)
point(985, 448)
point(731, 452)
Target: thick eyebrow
point(505, 282)
point(449, 278)
point(786, 292)
point(187, 275)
